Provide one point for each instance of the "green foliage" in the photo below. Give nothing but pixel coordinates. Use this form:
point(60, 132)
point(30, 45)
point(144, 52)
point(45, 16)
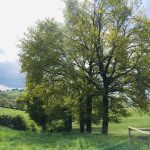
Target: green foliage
point(37, 112)
point(21, 101)
point(41, 46)
point(17, 120)
point(56, 126)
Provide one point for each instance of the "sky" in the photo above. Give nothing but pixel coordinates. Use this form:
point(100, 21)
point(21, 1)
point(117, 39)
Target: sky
point(15, 17)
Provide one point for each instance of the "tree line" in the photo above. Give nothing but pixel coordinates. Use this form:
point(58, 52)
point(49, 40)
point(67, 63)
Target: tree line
point(89, 69)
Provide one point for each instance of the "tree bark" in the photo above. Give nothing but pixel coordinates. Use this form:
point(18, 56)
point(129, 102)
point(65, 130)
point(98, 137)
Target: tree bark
point(105, 114)
point(82, 123)
point(81, 117)
point(89, 114)
point(68, 123)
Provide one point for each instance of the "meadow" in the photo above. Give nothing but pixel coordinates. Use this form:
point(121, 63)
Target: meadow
point(116, 140)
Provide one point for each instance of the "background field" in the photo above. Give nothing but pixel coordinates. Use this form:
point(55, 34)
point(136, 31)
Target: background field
point(8, 98)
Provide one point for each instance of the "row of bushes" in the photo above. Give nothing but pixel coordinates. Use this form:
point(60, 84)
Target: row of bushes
point(7, 103)
point(17, 120)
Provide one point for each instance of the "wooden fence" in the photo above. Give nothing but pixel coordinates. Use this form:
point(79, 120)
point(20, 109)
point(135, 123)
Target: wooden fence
point(144, 131)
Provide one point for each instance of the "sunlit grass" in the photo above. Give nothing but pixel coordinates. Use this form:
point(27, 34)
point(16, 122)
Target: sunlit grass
point(137, 120)
point(20, 140)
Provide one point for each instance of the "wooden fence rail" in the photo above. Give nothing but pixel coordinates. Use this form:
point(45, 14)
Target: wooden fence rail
point(145, 131)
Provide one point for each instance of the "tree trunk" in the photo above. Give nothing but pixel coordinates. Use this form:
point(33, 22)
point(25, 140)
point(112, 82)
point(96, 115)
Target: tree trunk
point(68, 123)
point(82, 124)
point(89, 114)
point(105, 114)
point(44, 128)
point(81, 117)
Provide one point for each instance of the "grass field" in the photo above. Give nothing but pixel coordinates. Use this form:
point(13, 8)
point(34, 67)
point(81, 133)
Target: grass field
point(117, 139)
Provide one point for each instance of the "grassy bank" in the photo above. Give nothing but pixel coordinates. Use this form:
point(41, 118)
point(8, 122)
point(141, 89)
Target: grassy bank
point(17, 119)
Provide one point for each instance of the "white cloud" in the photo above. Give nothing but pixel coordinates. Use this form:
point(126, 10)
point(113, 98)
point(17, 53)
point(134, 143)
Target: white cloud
point(8, 57)
point(146, 4)
point(4, 88)
point(17, 15)
point(2, 51)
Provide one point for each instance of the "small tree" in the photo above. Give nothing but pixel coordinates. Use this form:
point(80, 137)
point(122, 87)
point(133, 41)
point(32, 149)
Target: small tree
point(45, 61)
point(40, 57)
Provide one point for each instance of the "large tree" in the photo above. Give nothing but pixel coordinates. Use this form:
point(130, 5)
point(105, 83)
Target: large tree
point(109, 40)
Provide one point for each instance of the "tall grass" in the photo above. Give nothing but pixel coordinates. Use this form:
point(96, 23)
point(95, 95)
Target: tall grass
point(19, 140)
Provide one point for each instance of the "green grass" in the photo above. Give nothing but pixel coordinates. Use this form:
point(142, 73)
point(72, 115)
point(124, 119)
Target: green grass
point(135, 120)
point(19, 140)
point(117, 139)
point(12, 112)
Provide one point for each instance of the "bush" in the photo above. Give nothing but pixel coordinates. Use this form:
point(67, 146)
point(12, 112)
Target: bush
point(17, 120)
point(56, 126)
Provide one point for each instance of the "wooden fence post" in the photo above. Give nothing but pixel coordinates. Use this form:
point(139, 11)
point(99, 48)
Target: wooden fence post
point(129, 136)
point(149, 142)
